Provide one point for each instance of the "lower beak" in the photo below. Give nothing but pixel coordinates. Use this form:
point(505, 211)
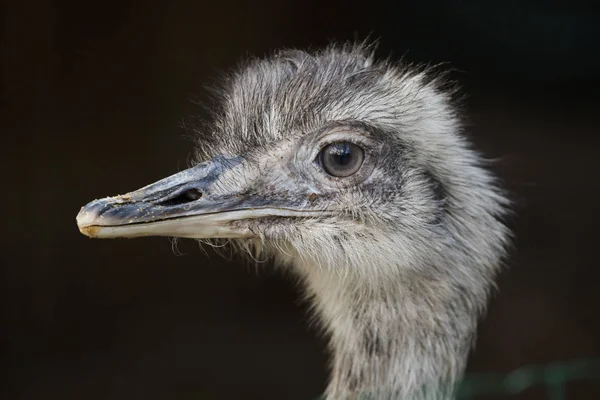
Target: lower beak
point(185, 205)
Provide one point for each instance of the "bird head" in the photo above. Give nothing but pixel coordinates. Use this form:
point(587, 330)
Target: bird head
point(325, 158)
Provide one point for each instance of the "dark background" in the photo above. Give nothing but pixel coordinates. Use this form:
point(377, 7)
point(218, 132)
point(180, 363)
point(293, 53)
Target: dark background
point(92, 94)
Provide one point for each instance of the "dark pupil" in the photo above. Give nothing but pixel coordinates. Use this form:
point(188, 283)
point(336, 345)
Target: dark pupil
point(341, 153)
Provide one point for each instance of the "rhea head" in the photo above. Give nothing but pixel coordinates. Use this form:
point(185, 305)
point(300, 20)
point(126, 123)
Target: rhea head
point(356, 174)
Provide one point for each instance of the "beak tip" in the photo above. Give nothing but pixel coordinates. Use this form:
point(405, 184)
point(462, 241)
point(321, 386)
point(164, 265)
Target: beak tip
point(86, 219)
point(89, 231)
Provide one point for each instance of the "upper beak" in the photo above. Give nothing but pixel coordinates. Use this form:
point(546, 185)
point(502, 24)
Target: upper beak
point(188, 204)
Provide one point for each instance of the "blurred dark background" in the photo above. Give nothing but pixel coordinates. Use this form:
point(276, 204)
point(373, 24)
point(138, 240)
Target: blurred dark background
point(92, 94)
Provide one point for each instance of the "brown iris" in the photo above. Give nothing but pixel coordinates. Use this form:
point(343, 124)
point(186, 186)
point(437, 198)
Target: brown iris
point(341, 159)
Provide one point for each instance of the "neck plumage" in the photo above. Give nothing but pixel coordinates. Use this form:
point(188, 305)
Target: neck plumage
point(406, 339)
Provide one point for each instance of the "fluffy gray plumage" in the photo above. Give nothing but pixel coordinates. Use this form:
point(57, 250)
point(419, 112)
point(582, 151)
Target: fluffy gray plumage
point(402, 270)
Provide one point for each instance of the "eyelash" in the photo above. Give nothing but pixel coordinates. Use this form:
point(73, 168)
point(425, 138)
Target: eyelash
point(362, 144)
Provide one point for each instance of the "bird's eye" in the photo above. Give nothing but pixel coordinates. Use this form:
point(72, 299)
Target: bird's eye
point(341, 159)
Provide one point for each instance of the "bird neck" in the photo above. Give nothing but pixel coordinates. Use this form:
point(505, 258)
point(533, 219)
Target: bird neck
point(406, 340)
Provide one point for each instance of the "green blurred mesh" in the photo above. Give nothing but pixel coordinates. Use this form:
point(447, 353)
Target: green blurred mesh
point(554, 377)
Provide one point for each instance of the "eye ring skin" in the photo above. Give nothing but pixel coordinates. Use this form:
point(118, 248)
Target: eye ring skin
point(349, 134)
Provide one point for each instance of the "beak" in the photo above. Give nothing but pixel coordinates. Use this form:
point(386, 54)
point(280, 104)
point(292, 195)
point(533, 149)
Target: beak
point(188, 204)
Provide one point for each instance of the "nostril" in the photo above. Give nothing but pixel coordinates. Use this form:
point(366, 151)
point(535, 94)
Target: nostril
point(186, 196)
point(192, 194)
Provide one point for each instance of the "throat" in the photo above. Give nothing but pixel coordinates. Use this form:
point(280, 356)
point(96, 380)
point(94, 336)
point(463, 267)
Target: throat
point(403, 340)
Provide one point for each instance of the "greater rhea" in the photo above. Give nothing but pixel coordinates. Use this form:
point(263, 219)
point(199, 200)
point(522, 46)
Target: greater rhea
point(355, 174)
